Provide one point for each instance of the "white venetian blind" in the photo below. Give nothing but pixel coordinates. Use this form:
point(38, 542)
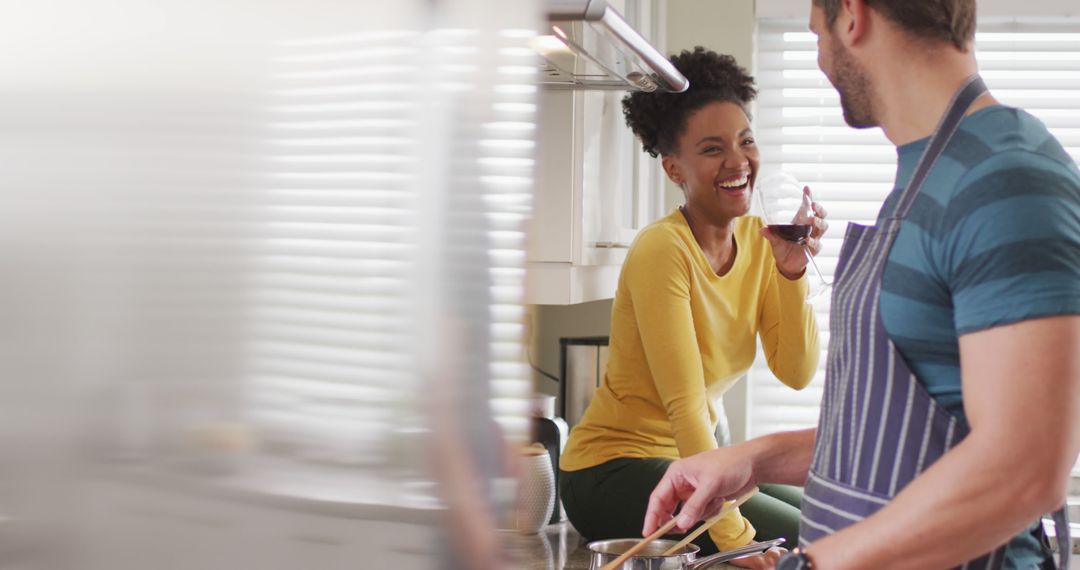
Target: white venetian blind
point(1033, 64)
point(391, 266)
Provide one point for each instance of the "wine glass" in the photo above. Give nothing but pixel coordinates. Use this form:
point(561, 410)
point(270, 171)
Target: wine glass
point(788, 211)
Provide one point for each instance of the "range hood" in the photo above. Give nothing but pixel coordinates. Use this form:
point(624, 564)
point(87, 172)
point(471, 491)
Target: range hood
point(591, 46)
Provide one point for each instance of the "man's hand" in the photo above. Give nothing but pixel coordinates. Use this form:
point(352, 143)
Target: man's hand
point(701, 483)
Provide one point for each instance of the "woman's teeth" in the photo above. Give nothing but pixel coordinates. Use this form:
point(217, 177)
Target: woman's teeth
point(734, 182)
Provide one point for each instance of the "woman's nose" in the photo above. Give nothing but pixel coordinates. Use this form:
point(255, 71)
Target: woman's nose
point(736, 159)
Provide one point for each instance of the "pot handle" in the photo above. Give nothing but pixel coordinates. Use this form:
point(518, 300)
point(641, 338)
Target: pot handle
point(755, 548)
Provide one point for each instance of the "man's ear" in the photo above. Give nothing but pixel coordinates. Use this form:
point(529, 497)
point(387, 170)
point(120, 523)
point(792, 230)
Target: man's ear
point(672, 170)
point(853, 21)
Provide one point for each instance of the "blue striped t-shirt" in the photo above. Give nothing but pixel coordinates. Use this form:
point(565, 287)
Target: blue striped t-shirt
point(992, 238)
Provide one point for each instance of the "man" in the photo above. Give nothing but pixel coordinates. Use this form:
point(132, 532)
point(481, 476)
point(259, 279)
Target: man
point(951, 416)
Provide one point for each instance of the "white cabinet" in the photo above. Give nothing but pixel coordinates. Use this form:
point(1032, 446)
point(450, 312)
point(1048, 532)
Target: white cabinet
point(595, 187)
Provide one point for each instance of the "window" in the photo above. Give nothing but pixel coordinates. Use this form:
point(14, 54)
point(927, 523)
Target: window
point(1033, 64)
point(388, 276)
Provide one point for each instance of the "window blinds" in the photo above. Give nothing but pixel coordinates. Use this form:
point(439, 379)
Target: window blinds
point(1033, 64)
point(389, 279)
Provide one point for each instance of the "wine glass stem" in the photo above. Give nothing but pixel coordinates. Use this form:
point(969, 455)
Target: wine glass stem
point(813, 264)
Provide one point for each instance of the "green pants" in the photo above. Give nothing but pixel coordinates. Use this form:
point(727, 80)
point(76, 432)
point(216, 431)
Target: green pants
point(609, 501)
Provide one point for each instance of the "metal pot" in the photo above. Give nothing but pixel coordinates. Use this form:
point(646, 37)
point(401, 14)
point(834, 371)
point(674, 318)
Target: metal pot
point(652, 557)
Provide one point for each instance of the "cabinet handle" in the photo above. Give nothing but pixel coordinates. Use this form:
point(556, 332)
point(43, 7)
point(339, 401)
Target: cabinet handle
point(317, 539)
point(209, 521)
point(611, 245)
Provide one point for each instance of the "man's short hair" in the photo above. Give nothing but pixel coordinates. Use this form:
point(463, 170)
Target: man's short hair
point(952, 21)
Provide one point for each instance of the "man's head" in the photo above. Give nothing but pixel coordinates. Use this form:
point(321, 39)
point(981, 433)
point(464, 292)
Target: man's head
point(952, 21)
point(932, 23)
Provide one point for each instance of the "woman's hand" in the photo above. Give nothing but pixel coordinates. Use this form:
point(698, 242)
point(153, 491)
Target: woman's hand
point(764, 561)
point(790, 258)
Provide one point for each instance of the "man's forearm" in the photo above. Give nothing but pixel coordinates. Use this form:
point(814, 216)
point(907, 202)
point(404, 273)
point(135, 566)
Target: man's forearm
point(956, 511)
point(783, 457)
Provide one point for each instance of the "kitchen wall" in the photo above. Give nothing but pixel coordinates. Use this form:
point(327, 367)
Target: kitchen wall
point(552, 322)
point(725, 26)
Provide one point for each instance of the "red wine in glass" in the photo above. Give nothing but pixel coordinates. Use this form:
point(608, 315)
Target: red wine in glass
point(792, 232)
point(783, 198)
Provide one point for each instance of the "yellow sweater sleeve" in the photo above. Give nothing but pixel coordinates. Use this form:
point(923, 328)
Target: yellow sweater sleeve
point(658, 281)
point(788, 331)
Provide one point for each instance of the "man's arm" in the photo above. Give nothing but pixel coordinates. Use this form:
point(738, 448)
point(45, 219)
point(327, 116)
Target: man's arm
point(704, 481)
point(1021, 385)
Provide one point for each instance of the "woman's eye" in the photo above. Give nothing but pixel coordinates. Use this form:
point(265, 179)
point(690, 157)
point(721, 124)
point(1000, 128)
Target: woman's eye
point(748, 141)
point(712, 149)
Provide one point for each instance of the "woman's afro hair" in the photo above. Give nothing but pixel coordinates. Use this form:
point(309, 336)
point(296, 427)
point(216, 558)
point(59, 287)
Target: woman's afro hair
point(658, 118)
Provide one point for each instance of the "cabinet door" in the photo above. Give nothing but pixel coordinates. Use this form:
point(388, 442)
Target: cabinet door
point(644, 197)
point(608, 181)
point(622, 190)
point(300, 540)
point(555, 221)
point(133, 527)
point(595, 188)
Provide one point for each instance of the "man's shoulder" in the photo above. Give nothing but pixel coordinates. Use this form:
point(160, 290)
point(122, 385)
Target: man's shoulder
point(1002, 177)
point(1003, 156)
point(1002, 137)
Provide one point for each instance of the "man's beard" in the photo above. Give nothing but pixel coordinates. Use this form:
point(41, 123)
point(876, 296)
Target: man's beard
point(854, 87)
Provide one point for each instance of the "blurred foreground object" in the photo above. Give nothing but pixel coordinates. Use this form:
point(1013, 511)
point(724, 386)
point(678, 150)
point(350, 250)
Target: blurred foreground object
point(262, 261)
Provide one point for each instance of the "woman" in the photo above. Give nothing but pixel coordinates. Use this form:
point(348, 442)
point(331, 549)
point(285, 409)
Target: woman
point(695, 290)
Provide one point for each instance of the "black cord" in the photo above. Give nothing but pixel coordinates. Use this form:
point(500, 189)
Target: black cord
point(528, 357)
point(542, 372)
point(528, 353)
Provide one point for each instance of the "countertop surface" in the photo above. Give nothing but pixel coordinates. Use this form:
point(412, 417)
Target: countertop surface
point(341, 493)
point(557, 547)
point(560, 547)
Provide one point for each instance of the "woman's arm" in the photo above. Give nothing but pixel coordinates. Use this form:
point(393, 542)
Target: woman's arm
point(788, 331)
point(657, 275)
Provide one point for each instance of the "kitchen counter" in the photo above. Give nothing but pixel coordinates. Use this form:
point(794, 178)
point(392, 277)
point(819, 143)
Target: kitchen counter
point(328, 491)
point(560, 547)
point(557, 547)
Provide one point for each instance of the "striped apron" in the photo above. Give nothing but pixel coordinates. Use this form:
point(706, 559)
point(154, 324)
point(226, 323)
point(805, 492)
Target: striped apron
point(879, 428)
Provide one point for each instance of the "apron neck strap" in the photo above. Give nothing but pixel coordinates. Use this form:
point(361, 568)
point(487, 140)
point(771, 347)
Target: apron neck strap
point(972, 89)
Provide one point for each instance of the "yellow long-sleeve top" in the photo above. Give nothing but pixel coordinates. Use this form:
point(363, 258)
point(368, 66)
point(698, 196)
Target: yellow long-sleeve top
point(680, 337)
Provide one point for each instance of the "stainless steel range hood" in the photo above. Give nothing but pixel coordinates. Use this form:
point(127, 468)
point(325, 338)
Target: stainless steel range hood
point(591, 46)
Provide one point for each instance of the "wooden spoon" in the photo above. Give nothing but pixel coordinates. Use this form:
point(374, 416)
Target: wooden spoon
point(727, 508)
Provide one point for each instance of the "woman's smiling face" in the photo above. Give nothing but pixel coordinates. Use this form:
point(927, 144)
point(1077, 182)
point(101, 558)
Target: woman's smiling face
point(716, 161)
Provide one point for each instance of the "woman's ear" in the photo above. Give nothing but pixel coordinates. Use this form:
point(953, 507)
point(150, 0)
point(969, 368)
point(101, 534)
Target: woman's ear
point(672, 170)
